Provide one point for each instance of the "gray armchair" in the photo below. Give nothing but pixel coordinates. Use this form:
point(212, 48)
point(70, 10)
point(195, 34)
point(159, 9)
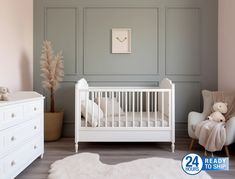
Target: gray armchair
point(196, 117)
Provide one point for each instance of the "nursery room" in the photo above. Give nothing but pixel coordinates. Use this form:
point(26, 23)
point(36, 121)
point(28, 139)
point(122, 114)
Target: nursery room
point(117, 89)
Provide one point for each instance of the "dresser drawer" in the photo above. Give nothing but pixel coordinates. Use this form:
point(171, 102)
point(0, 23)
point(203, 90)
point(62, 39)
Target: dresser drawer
point(10, 116)
point(22, 156)
point(32, 108)
point(13, 114)
point(15, 135)
point(21, 132)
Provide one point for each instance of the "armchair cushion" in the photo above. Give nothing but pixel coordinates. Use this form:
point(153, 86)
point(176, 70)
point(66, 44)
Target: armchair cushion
point(230, 131)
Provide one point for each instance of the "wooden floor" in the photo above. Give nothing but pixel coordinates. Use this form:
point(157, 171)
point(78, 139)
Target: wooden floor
point(113, 153)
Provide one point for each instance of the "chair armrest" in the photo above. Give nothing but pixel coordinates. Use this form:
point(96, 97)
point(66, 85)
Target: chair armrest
point(193, 119)
point(230, 131)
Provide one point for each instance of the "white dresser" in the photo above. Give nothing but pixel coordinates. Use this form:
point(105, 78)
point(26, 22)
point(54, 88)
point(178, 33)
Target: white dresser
point(21, 132)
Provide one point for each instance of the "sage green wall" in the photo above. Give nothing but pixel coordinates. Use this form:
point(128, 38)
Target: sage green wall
point(170, 38)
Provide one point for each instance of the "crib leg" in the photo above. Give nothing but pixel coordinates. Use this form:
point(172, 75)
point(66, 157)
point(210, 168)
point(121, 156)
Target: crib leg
point(173, 147)
point(76, 147)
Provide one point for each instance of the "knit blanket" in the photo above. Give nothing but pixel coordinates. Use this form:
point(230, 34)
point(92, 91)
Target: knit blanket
point(211, 135)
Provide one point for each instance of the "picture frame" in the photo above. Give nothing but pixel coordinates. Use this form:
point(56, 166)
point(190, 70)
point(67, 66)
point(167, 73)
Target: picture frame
point(121, 40)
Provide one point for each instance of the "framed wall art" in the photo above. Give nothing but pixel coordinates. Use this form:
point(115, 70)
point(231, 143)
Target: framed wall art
point(121, 40)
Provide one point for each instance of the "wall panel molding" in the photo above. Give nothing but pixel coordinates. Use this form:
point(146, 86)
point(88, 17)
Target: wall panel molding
point(124, 58)
point(189, 95)
point(58, 26)
point(179, 37)
point(183, 44)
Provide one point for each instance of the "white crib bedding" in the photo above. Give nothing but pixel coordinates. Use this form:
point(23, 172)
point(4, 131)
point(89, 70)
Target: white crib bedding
point(137, 116)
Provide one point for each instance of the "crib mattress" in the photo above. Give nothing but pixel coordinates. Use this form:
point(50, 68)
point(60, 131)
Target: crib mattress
point(159, 122)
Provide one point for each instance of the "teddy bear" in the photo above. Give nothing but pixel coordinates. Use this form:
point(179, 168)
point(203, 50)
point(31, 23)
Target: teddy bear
point(4, 92)
point(219, 109)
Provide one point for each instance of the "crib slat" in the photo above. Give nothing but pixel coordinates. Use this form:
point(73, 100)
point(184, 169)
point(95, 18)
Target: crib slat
point(99, 107)
point(146, 99)
point(141, 108)
point(126, 107)
point(112, 109)
point(162, 109)
point(78, 101)
point(106, 108)
point(137, 102)
point(129, 101)
point(122, 100)
point(151, 98)
point(155, 107)
point(119, 110)
point(133, 108)
point(92, 98)
point(148, 107)
point(87, 94)
point(169, 116)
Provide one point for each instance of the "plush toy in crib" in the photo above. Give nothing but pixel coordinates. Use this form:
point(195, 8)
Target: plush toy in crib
point(4, 92)
point(219, 109)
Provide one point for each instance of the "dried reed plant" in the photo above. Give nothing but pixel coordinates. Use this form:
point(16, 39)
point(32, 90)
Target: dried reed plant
point(52, 68)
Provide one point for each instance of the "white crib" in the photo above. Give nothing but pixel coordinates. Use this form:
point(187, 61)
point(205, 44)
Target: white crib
point(129, 114)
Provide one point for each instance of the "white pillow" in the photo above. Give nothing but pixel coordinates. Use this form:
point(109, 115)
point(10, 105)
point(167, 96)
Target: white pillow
point(109, 106)
point(90, 104)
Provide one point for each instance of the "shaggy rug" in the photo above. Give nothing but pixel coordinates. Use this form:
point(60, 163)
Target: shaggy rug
point(88, 166)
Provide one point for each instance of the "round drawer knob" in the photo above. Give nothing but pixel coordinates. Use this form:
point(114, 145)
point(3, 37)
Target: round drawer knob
point(35, 109)
point(35, 127)
point(13, 138)
point(35, 147)
point(13, 163)
point(13, 115)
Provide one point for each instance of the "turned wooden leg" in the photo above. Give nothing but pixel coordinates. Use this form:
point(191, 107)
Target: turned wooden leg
point(76, 147)
point(191, 144)
point(172, 147)
point(226, 150)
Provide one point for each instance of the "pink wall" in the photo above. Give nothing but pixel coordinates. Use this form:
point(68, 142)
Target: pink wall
point(16, 44)
point(226, 62)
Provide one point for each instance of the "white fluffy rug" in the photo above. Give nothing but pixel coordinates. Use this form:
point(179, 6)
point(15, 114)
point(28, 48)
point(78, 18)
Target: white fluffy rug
point(88, 166)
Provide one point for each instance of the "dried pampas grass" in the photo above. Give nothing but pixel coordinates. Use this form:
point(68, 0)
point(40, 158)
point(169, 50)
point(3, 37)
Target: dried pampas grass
point(52, 68)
